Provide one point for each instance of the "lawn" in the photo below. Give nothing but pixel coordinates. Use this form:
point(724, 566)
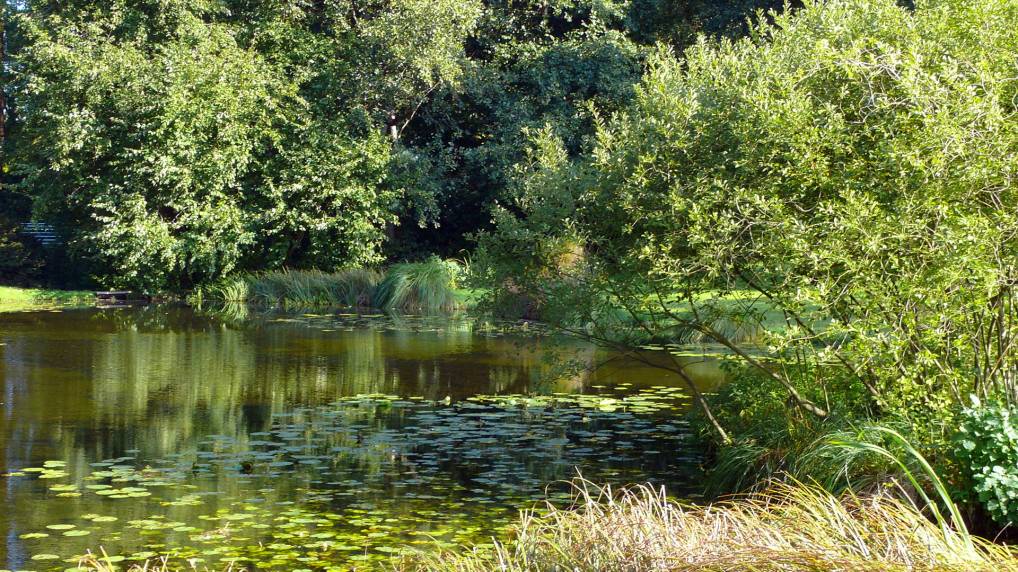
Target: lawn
point(13, 299)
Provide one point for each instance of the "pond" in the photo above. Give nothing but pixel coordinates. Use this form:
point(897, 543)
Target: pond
point(309, 441)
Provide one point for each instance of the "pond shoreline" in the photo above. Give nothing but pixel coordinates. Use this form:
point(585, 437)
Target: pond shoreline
point(16, 299)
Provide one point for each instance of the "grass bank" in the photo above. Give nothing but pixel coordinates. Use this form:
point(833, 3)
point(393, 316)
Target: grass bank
point(429, 286)
point(787, 528)
point(13, 299)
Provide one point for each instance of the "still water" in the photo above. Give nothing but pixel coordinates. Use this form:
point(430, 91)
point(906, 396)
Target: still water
point(308, 441)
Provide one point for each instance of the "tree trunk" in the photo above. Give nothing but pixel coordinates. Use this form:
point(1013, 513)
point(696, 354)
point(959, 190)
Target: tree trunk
point(3, 75)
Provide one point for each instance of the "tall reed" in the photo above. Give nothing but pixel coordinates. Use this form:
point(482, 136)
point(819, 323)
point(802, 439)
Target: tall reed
point(351, 287)
point(952, 524)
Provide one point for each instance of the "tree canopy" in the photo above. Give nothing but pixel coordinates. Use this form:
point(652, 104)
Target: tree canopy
point(173, 142)
point(839, 181)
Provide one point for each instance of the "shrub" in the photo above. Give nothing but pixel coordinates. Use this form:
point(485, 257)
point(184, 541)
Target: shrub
point(986, 447)
point(848, 166)
point(773, 438)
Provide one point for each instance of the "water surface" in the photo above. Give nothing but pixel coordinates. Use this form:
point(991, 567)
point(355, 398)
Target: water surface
point(308, 440)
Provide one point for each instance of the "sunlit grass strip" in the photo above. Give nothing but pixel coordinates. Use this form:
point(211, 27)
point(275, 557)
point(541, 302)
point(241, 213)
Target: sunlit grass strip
point(15, 299)
point(787, 528)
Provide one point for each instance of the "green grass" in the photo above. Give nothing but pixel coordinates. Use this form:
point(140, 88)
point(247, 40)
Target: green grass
point(790, 527)
point(14, 299)
point(429, 286)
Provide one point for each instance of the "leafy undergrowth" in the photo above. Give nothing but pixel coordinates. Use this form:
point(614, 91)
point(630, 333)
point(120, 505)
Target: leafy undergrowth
point(787, 528)
point(18, 299)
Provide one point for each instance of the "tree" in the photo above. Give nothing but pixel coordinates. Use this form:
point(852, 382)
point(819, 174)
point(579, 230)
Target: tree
point(537, 63)
point(839, 181)
point(174, 143)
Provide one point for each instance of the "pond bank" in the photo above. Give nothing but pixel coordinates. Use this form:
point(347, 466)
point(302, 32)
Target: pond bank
point(14, 299)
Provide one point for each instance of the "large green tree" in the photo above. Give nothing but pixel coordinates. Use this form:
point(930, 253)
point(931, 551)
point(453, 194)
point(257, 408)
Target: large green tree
point(841, 181)
point(536, 63)
point(174, 142)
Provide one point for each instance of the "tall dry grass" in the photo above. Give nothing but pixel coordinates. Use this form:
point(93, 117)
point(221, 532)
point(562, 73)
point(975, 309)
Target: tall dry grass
point(788, 528)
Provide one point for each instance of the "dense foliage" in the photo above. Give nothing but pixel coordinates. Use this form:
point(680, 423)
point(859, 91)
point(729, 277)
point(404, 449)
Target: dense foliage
point(175, 142)
point(825, 195)
point(987, 446)
point(841, 181)
point(171, 144)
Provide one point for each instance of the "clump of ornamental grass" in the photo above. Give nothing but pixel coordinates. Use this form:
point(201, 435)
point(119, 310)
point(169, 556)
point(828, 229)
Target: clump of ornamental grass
point(789, 527)
point(428, 286)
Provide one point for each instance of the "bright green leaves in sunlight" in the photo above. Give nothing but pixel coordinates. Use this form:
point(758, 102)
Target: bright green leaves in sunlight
point(174, 144)
point(839, 184)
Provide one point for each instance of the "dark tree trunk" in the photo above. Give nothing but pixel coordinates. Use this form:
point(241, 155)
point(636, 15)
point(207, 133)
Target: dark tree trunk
point(3, 74)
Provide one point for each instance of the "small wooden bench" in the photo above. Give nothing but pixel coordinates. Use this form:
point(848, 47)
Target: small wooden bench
point(116, 296)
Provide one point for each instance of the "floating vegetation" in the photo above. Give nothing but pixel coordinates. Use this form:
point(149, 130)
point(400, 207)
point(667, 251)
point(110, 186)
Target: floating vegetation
point(171, 433)
point(358, 481)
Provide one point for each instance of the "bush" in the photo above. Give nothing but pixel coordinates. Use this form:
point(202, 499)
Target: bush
point(848, 166)
point(986, 447)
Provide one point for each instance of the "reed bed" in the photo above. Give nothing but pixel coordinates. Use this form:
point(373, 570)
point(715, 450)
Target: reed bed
point(428, 286)
point(787, 528)
point(351, 287)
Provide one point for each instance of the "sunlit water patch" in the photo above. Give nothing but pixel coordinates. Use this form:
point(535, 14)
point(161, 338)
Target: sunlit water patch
point(148, 434)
